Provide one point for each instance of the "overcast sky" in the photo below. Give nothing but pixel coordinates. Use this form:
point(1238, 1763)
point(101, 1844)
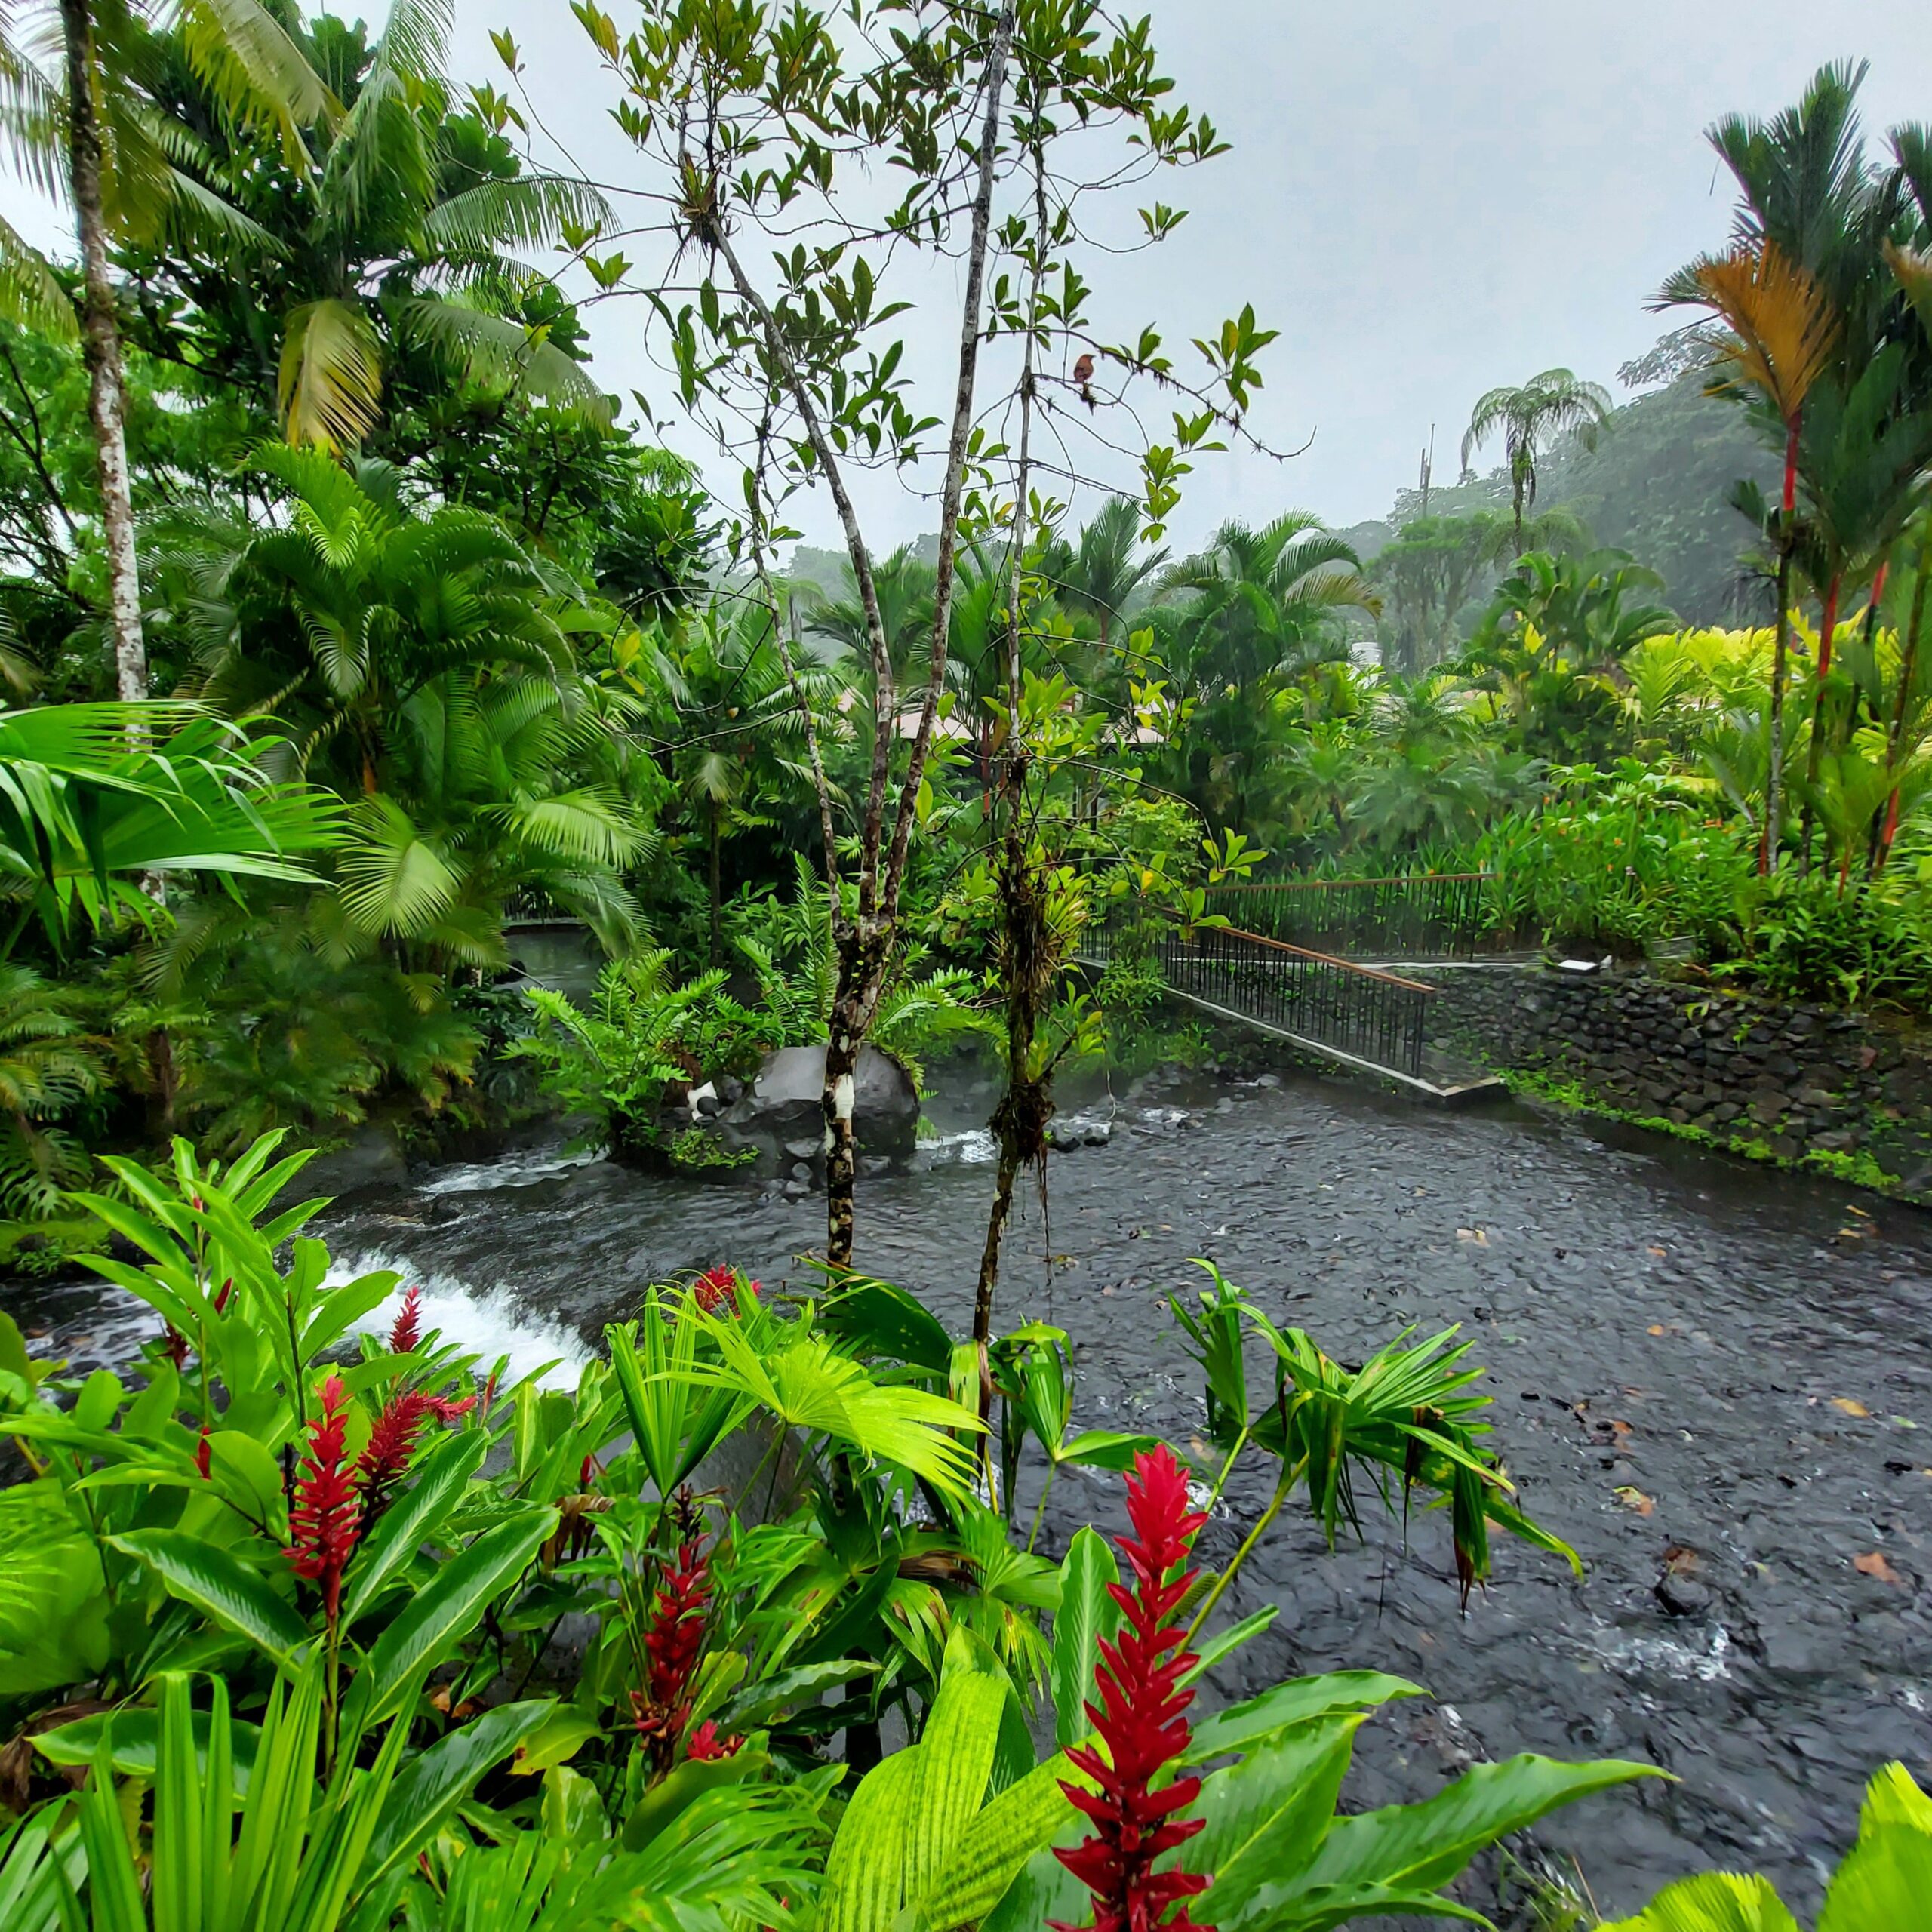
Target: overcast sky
point(1426, 200)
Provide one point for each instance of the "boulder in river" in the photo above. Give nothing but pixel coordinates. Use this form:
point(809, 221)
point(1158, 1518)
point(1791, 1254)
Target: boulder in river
point(782, 1104)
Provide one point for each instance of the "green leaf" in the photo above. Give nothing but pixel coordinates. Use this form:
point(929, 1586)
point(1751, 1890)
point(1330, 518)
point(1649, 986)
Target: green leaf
point(218, 1584)
point(765, 1699)
point(1103, 1449)
point(407, 1524)
point(1419, 1847)
point(561, 1736)
point(1294, 1702)
point(955, 1758)
point(429, 1788)
point(865, 1875)
point(1886, 1880)
point(1269, 1812)
point(439, 1615)
point(1719, 1902)
point(1329, 1905)
point(685, 1784)
point(133, 1735)
point(996, 1843)
point(1225, 1643)
point(1044, 1890)
point(1086, 1614)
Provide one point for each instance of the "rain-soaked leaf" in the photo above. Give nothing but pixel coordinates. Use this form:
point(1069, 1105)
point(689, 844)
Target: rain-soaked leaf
point(1873, 1563)
point(1474, 1235)
point(1656, 1250)
point(1846, 1406)
point(1632, 1498)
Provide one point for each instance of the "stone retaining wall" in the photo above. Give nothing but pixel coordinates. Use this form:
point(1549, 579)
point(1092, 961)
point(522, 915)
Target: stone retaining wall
point(1793, 1082)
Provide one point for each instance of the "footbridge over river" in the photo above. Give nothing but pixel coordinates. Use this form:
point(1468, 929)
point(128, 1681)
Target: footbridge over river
point(1320, 964)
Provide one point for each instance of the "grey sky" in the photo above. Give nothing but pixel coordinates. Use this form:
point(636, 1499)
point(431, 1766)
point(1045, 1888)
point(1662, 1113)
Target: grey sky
point(1426, 199)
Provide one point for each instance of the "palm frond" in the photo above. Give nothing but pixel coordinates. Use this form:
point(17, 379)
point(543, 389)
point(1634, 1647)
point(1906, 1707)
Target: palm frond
point(330, 384)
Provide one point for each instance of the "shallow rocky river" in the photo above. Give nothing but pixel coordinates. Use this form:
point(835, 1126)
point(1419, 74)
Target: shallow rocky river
point(1708, 1377)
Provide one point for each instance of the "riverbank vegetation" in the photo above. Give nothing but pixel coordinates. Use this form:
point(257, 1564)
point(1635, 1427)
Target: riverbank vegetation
point(355, 638)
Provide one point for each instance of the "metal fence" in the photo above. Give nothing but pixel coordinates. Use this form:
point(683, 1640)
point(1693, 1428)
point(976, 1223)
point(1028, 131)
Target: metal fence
point(1373, 1016)
point(1434, 916)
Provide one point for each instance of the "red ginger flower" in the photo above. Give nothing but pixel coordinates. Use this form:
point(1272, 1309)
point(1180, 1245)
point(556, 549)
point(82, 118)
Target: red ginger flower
point(673, 1644)
point(407, 1330)
point(324, 1516)
point(704, 1744)
point(201, 1455)
point(718, 1287)
point(1140, 1721)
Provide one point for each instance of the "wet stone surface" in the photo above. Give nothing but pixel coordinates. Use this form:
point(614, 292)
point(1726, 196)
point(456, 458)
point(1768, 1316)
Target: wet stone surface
point(1679, 1346)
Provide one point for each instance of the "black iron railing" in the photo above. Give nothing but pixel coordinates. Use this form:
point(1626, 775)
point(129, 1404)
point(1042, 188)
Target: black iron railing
point(1373, 1015)
point(1434, 915)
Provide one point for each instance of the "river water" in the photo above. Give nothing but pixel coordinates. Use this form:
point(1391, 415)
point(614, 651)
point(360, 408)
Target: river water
point(1703, 1372)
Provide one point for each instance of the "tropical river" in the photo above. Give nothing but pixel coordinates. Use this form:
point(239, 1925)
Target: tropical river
point(1707, 1376)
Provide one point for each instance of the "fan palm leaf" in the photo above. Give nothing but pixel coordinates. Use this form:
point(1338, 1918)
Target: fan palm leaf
point(329, 386)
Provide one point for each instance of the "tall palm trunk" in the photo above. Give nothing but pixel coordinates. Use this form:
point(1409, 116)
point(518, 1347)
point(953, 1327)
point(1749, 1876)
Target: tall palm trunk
point(1767, 836)
point(1908, 676)
point(100, 350)
point(1827, 630)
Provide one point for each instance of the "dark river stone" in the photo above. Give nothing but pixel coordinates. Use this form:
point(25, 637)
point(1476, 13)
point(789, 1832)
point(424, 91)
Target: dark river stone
point(1678, 1344)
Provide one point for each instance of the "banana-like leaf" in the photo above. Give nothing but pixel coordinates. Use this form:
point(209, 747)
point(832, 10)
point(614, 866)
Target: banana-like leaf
point(430, 1787)
point(1086, 1614)
point(1418, 1848)
point(1243, 1725)
point(217, 1583)
point(412, 1518)
point(994, 1846)
point(1269, 1813)
point(442, 1613)
point(864, 1876)
point(954, 1759)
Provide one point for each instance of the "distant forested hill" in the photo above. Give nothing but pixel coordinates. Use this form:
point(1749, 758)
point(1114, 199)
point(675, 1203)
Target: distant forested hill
point(1657, 485)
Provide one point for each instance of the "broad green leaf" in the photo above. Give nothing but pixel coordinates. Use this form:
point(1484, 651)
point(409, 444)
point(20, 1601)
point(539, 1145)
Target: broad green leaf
point(439, 1615)
point(1103, 1449)
point(1294, 1702)
point(1886, 1880)
point(1268, 1814)
point(216, 1582)
point(995, 1844)
point(1044, 1890)
point(1086, 1614)
point(761, 1702)
point(864, 1876)
point(949, 1778)
point(402, 1529)
point(428, 1789)
point(666, 1801)
point(134, 1737)
point(1225, 1643)
point(1717, 1901)
point(1420, 1846)
point(559, 1739)
point(1329, 1905)
point(1894, 1797)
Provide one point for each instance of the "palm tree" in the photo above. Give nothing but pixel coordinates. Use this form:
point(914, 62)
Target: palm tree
point(95, 796)
point(103, 141)
point(1784, 333)
point(1098, 577)
point(1534, 417)
point(49, 1064)
point(1252, 641)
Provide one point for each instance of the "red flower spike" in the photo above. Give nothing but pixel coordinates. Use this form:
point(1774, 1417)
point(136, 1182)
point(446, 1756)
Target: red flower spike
point(407, 1330)
point(326, 1512)
point(392, 1442)
point(202, 1453)
point(714, 1289)
point(705, 1746)
point(446, 1410)
point(1140, 1718)
point(177, 1346)
point(672, 1647)
point(222, 1300)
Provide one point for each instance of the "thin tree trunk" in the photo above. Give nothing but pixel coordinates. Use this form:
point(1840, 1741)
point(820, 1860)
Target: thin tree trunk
point(1020, 1121)
point(717, 889)
point(1768, 834)
point(100, 352)
point(1908, 675)
point(1827, 630)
